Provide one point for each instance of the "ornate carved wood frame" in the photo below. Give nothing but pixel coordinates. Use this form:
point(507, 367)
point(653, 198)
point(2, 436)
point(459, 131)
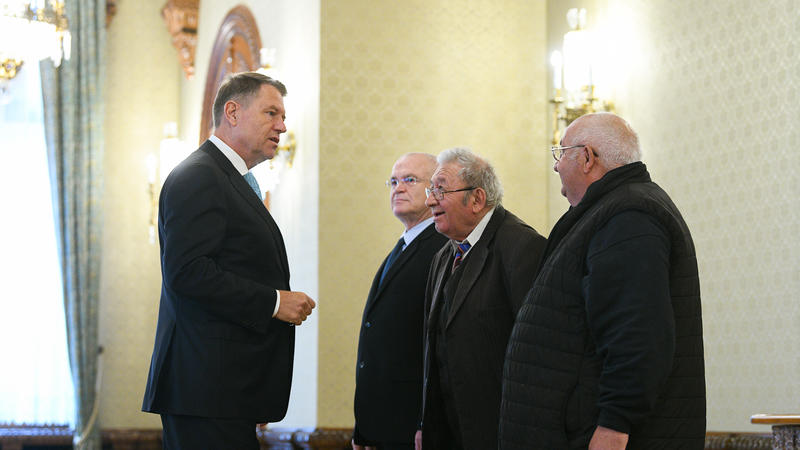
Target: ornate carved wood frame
point(236, 49)
point(181, 19)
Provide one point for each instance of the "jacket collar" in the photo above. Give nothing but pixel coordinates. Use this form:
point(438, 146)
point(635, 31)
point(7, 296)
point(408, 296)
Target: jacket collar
point(630, 173)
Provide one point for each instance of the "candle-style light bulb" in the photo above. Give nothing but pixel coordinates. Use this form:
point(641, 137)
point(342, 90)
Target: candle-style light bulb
point(557, 62)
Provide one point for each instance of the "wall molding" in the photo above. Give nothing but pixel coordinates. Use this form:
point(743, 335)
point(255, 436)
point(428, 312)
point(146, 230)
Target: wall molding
point(236, 49)
point(16, 437)
point(181, 18)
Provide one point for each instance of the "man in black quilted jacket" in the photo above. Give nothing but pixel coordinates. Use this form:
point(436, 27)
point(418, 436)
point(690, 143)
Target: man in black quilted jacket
point(607, 350)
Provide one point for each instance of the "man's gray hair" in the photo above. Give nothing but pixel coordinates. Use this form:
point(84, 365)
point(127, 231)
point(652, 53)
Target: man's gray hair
point(612, 137)
point(241, 87)
point(475, 172)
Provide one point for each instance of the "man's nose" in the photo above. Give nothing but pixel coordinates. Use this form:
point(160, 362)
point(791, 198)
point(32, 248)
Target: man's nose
point(430, 201)
point(281, 126)
point(555, 167)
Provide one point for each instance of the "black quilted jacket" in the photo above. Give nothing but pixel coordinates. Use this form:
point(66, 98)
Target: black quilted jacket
point(611, 332)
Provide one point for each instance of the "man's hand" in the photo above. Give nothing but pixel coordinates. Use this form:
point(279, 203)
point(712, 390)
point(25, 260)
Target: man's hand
point(608, 439)
point(295, 307)
point(360, 447)
point(418, 440)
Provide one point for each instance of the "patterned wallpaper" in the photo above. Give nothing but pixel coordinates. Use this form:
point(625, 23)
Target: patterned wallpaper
point(420, 75)
point(712, 89)
point(144, 63)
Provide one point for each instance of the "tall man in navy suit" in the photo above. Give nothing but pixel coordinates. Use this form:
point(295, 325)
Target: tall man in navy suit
point(222, 360)
point(389, 365)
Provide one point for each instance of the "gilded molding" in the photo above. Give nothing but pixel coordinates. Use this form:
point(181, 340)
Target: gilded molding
point(111, 10)
point(181, 19)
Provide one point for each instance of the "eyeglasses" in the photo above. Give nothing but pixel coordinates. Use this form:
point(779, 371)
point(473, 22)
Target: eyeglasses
point(438, 193)
point(409, 180)
point(558, 151)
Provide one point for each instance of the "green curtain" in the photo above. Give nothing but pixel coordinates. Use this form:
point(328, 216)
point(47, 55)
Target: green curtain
point(73, 110)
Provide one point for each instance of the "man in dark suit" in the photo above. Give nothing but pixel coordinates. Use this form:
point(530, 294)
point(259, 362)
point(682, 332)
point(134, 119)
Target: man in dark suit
point(389, 365)
point(475, 288)
point(222, 360)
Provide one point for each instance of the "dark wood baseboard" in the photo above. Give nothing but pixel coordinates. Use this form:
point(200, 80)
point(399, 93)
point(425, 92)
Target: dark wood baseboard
point(19, 437)
point(720, 440)
point(318, 439)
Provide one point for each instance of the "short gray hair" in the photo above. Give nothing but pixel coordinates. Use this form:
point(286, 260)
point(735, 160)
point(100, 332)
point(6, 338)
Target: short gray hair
point(612, 137)
point(241, 87)
point(476, 172)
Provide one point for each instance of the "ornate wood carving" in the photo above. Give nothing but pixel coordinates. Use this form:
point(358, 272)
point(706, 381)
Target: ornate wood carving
point(738, 441)
point(298, 439)
point(111, 10)
point(181, 19)
point(236, 49)
point(18, 437)
point(14, 437)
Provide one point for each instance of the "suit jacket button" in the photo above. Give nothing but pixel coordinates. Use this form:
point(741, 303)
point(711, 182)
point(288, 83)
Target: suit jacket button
point(361, 365)
point(367, 324)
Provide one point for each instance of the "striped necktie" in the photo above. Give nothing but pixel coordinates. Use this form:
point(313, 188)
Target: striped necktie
point(460, 250)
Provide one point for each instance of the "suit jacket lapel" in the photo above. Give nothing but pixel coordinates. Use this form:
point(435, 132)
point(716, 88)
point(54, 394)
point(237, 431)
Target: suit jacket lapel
point(373, 290)
point(474, 262)
point(377, 287)
point(240, 185)
point(444, 257)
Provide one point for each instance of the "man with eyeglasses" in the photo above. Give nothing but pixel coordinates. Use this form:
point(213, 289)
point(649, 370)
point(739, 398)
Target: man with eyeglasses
point(476, 285)
point(389, 365)
point(607, 351)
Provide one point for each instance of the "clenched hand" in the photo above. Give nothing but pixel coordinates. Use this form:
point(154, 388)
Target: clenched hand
point(295, 307)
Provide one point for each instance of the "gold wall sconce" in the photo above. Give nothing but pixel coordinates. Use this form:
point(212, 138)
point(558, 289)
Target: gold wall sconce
point(269, 173)
point(171, 152)
point(573, 86)
point(289, 148)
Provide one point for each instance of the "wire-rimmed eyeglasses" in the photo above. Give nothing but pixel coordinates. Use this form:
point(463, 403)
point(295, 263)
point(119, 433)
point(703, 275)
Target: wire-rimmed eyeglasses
point(409, 180)
point(558, 151)
point(438, 192)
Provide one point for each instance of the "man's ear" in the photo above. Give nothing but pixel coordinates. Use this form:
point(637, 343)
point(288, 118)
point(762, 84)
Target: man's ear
point(231, 111)
point(588, 159)
point(478, 199)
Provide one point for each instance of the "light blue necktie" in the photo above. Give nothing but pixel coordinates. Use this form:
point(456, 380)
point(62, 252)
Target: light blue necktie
point(251, 180)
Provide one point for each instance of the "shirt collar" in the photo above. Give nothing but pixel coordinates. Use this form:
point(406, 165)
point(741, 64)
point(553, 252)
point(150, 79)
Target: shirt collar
point(233, 157)
point(476, 233)
point(411, 234)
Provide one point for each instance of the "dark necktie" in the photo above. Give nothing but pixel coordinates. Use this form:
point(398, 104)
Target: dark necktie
point(392, 257)
point(460, 250)
point(251, 180)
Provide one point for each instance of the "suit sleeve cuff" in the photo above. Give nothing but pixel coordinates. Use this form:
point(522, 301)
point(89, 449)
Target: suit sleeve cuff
point(277, 302)
point(613, 421)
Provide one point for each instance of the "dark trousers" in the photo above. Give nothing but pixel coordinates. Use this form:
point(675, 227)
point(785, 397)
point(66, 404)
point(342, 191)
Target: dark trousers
point(361, 440)
point(201, 433)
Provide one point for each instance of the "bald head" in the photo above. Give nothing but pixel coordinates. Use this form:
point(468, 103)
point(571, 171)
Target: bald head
point(408, 199)
point(599, 143)
point(611, 137)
